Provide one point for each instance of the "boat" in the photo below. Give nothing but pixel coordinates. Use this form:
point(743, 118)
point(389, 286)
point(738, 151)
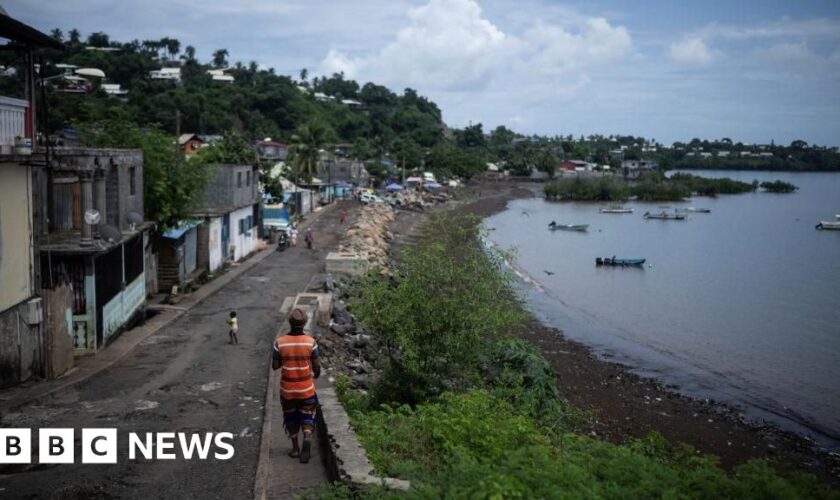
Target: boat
point(664, 216)
point(612, 261)
point(567, 227)
point(826, 224)
point(693, 210)
point(616, 210)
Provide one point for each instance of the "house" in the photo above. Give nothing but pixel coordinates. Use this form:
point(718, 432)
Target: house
point(576, 165)
point(723, 154)
point(190, 144)
point(23, 334)
point(343, 170)
point(115, 90)
point(222, 228)
point(172, 74)
point(93, 238)
point(219, 75)
point(270, 150)
point(639, 165)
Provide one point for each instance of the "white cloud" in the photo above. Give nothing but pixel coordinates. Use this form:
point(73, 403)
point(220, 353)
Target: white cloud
point(690, 50)
point(556, 50)
point(799, 58)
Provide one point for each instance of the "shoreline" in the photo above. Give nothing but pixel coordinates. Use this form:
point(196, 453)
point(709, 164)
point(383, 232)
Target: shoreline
point(624, 405)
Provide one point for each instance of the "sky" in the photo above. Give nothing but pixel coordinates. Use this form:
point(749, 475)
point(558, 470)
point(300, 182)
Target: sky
point(750, 70)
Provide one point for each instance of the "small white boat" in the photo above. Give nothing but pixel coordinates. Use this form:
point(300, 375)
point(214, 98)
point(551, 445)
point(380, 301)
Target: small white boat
point(693, 210)
point(616, 210)
point(829, 225)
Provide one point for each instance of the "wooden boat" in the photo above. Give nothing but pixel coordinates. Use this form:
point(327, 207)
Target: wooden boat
point(829, 225)
point(664, 216)
point(612, 261)
point(616, 210)
point(567, 227)
point(693, 210)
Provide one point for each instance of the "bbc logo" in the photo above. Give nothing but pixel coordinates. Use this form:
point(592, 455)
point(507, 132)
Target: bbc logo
point(56, 446)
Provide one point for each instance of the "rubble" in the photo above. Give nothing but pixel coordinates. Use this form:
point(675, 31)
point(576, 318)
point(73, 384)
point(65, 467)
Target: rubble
point(369, 237)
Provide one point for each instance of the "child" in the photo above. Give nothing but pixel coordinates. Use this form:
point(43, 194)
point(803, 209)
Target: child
point(343, 216)
point(234, 328)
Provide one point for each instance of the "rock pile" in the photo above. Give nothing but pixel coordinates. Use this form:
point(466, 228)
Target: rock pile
point(369, 237)
point(414, 199)
point(347, 347)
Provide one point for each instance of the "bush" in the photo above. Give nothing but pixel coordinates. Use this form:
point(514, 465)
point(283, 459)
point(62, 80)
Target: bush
point(450, 297)
point(778, 187)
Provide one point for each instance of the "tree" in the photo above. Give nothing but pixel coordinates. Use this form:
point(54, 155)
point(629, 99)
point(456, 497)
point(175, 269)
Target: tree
point(189, 52)
point(173, 46)
point(471, 137)
point(304, 77)
point(172, 186)
point(57, 34)
point(220, 58)
point(306, 145)
point(98, 39)
point(75, 37)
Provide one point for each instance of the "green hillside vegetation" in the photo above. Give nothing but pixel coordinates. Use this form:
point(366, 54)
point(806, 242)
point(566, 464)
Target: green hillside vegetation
point(778, 187)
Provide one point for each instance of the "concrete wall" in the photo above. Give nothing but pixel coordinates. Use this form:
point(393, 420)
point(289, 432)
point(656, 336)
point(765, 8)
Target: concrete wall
point(215, 243)
point(16, 257)
point(21, 347)
point(117, 165)
point(224, 192)
point(120, 309)
point(245, 243)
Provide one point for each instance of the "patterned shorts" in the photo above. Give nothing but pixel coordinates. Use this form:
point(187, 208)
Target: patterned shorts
point(299, 413)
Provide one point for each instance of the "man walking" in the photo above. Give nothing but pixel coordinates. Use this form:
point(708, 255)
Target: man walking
point(296, 355)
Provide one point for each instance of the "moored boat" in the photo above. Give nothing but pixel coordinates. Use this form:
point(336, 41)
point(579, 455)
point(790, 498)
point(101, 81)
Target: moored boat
point(616, 210)
point(664, 216)
point(693, 210)
point(612, 261)
point(826, 224)
point(567, 227)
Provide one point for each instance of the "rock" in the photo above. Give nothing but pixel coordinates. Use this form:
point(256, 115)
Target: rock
point(329, 284)
point(360, 340)
point(339, 329)
point(342, 318)
point(360, 381)
point(326, 343)
point(356, 366)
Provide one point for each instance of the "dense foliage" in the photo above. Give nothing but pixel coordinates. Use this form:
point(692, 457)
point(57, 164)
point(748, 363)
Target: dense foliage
point(778, 187)
point(653, 186)
point(499, 428)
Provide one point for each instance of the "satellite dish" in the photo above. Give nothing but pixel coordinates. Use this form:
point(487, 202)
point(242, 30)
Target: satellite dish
point(110, 233)
point(92, 217)
point(133, 219)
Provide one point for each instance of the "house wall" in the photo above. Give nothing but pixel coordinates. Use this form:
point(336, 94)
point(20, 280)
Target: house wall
point(224, 192)
point(244, 243)
point(15, 235)
point(214, 244)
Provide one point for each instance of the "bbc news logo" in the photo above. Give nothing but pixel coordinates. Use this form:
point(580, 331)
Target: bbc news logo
point(100, 446)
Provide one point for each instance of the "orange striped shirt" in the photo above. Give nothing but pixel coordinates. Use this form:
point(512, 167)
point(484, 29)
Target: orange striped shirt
point(296, 354)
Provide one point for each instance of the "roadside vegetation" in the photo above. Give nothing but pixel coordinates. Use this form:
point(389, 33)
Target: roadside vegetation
point(464, 409)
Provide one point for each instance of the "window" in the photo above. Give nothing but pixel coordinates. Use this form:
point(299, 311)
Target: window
point(239, 179)
point(248, 179)
point(132, 181)
point(241, 226)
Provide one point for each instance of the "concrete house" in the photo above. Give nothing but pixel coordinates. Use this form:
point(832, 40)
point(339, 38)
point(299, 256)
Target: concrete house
point(229, 214)
point(93, 239)
point(22, 332)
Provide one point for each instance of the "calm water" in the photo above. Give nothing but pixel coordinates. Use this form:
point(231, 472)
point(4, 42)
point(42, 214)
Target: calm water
point(741, 305)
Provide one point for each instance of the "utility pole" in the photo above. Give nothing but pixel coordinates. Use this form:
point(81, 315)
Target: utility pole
point(177, 123)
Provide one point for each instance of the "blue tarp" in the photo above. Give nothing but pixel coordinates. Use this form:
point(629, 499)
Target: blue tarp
point(183, 227)
point(393, 187)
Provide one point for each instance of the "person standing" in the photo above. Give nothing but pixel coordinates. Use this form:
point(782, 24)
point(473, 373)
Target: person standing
point(233, 328)
point(293, 234)
point(296, 355)
point(343, 216)
point(308, 238)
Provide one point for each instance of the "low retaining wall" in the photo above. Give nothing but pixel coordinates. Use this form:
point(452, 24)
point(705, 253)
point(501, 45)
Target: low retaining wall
point(344, 457)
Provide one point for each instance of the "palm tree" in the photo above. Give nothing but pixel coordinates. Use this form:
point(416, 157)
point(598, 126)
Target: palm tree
point(220, 58)
point(173, 46)
point(75, 37)
point(306, 145)
point(190, 53)
point(57, 34)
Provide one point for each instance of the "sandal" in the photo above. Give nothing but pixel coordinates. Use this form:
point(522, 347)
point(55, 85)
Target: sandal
point(306, 451)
